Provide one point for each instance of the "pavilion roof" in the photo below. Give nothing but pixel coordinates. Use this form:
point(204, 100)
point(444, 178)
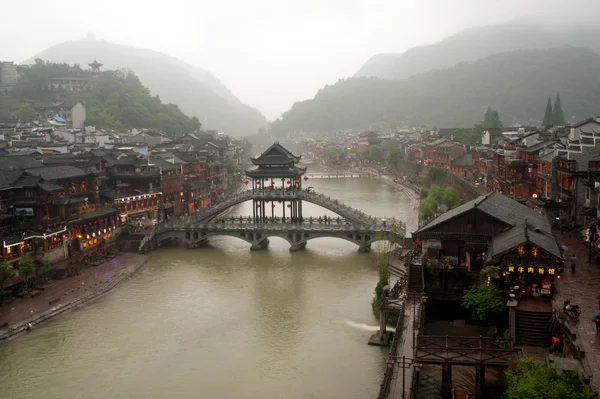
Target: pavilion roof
point(276, 154)
point(281, 173)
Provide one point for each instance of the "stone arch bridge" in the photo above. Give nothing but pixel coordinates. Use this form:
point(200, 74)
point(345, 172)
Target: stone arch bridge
point(351, 225)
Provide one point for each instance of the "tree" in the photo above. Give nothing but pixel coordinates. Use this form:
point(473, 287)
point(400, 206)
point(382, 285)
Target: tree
point(531, 379)
point(491, 119)
point(26, 113)
point(437, 175)
point(484, 299)
point(450, 197)
point(6, 272)
point(26, 266)
point(231, 167)
point(557, 116)
point(548, 114)
point(373, 154)
point(394, 156)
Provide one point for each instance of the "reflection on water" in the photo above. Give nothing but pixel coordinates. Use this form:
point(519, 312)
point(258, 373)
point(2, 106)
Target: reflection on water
point(221, 322)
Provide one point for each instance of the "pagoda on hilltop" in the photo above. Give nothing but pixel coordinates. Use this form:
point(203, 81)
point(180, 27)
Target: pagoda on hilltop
point(276, 179)
point(95, 67)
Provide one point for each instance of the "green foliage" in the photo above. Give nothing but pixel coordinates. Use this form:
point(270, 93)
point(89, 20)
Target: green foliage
point(6, 273)
point(394, 156)
point(432, 98)
point(483, 300)
point(558, 117)
point(470, 136)
point(336, 154)
point(450, 197)
point(490, 271)
point(491, 120)
point(531, 379)
point(231, 167)
point(548, 114)
point(115, 100)
point(373, 154)
point(126, 229)
point(433, 197)
point(26, 114)
point(437, 175)
point(26, 266)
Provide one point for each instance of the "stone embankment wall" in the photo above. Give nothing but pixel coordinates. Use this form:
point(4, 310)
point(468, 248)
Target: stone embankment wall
point(412, 170)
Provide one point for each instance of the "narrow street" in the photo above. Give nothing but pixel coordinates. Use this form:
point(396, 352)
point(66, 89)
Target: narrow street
point(582, 288)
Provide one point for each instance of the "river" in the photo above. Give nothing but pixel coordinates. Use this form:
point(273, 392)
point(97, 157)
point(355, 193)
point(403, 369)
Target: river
point(222, 322)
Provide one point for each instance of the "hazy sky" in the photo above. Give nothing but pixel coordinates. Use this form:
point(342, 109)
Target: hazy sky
point(270, 53)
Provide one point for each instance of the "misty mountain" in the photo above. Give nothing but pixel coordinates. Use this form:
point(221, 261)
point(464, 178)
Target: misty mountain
point(476, 43)
point(196, 91)
point(517, 84)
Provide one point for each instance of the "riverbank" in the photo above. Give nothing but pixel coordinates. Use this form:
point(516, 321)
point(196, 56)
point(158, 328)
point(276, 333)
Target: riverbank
point(59, 296)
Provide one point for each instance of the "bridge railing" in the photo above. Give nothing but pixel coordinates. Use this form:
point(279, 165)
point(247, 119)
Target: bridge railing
point(352, 215)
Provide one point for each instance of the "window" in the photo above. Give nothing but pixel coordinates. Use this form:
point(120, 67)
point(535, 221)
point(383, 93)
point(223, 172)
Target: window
point(587, 193)
point(594, 165)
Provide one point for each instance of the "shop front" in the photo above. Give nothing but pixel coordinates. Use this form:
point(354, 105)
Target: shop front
point(93, 230)
point(530, 260)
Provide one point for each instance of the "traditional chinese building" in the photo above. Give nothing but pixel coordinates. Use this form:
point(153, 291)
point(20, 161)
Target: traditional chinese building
point(276, 171)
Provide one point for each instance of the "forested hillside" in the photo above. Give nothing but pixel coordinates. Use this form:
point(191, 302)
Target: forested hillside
point(517, 84)
point(116, 99)
point(196, 91)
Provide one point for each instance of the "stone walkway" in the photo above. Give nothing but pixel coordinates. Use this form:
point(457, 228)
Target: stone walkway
point(583, 289)
point(91, 281)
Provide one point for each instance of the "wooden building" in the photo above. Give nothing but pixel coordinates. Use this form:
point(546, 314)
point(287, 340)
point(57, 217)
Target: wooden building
point(276, 171)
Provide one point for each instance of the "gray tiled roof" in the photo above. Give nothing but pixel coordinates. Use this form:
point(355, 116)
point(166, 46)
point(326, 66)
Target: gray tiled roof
point(465, 160)
point(9, 177)
point(524, 233)
point(56, 172)
point(499, 207)
point(19, 162)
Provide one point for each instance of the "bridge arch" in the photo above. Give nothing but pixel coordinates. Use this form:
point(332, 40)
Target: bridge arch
point(259, 239)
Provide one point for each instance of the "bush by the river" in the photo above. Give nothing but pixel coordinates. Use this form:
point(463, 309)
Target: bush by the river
point(530, 379)
point(434, 196)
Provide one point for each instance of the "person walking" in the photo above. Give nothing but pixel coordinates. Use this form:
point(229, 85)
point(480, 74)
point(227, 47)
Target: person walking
point(573, 262)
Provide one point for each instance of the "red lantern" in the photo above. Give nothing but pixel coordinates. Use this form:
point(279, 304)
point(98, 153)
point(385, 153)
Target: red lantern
point(272, 183)
point(273, 206)
point(296, 181)
point(258, 205)
point(258, 182)
point(266, 179)
point(288, 182)
point(305, 178)
point(414, 243)
point(246, 182)
point(289, 205)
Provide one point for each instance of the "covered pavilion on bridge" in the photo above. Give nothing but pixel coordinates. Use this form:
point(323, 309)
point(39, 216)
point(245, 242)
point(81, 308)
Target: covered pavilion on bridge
point(276, 170)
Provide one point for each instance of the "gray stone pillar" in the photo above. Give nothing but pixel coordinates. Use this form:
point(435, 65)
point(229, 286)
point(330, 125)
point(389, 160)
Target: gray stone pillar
point(512, 318)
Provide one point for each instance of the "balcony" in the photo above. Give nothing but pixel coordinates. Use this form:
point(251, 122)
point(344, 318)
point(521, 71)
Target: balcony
point(134, 174)
point(543, 175)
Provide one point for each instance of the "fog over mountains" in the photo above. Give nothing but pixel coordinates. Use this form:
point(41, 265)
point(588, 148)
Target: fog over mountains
point(475, 43)
point(196, 91)
point(513, 67)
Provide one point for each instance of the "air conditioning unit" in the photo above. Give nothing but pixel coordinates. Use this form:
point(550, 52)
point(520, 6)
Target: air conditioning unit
point(597, 184)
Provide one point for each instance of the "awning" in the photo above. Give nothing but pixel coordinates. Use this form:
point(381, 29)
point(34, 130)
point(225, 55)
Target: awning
point(59, 119)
